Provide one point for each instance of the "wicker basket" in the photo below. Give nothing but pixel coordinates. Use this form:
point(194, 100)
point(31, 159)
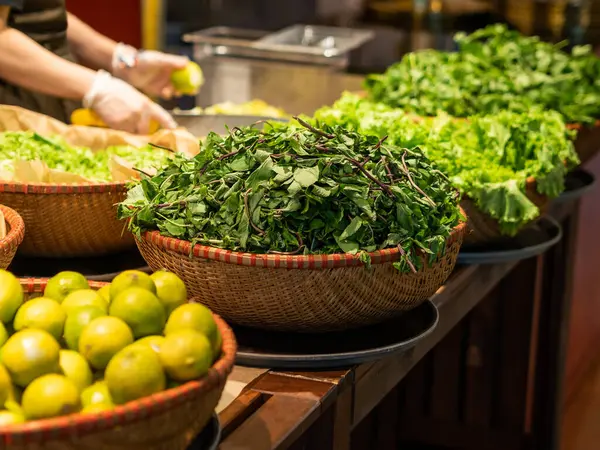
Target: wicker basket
point(168, 420)
point(14, 237)
point(484, 229)
point(299, 293)
point(69, 220)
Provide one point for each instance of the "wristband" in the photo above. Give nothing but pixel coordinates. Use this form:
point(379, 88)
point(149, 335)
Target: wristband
point(124, 57)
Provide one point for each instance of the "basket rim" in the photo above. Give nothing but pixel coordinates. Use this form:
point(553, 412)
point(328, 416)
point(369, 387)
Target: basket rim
point(15, 235)
point(317, 261)
point(128, 413)
point(62, 188)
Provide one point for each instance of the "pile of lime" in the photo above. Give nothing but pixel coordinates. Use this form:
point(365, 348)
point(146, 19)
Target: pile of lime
point(76, 349)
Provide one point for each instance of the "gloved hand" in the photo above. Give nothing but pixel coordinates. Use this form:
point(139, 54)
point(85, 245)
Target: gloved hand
point(147, 70)
point(122, 107)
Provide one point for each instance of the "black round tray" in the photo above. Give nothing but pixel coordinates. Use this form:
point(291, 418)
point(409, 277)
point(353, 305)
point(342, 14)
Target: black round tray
point(280, 350)
point(98, 268)
point(577, 183)
point(209, 438)
point(532, 241)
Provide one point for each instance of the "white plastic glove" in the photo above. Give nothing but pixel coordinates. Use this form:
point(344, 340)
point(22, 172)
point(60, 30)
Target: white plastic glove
point(147, 70)
point(122, 107)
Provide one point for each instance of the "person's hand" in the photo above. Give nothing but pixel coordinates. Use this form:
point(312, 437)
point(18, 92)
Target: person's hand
point(147, 70)
point(122, 107)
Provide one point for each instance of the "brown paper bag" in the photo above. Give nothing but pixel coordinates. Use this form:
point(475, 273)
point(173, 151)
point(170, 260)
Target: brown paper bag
point(13, 118)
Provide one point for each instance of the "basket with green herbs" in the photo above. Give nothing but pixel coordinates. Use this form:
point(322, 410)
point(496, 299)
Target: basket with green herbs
point(507, 166)
point(300, 228)
point(66, 194)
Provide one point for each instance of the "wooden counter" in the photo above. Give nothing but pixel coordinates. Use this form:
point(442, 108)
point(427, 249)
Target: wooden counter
point(489, 376)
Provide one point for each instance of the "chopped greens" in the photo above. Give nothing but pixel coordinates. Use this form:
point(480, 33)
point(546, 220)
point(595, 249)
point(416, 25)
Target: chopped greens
point(300, 190)
point(57, 154)
point(495, 69)
point(487, 158)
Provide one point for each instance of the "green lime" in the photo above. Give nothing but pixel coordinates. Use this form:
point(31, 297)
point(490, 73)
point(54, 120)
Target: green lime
point(43, 314)
point(11, 296)
point(133, 373)
point(50, 396)
point(77, 321)
point(141, 310)
point(129, 279)
point(84, 297)
point(104, 292)
point(75, 368)
point(154, 342)
point(170, 290)
point(195, 316)
point(186, 355)
point(10, 418)
point(102, 338)
point(29, 354)
point(189, 80)
point(63, 283)
point(96, 394)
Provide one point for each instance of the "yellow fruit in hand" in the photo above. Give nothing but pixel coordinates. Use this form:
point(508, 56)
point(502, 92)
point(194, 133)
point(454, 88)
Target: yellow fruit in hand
point(63, 283)
point(102, 338)
point(189, 80)
point(42, 314)
point(129, 279)
point(11, 296)
point(96, 394)
point(133, 373)
point(186, 355)
point(170, 290)
point(75, 368)
point(195, 316)
point(50, 396)
point(141, 310)
point(29, 354)
point(6, 386)
point(10, 418)
point(77, 321)
point(104, 292)
point(83, 297)
point(154, 342)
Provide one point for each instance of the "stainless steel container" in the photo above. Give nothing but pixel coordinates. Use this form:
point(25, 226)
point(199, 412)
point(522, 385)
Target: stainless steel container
point(201, 124)
point(296, 69)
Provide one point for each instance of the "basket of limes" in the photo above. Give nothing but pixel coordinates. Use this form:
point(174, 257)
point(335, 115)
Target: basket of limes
point(12, 231)
point(124, 365)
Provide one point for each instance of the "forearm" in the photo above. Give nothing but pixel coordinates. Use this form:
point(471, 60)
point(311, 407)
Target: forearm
point(26, 64)
point(91, 48)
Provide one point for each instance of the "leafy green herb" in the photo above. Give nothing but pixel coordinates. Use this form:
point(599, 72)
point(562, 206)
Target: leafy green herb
point(487, 158)
point(57, 154)
point(300, 190)
point(495, 69)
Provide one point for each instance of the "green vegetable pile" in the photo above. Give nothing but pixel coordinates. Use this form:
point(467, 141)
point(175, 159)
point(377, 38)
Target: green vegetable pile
point(57, 154)
point(487, 158)
point(495, 69)
point(300, 190)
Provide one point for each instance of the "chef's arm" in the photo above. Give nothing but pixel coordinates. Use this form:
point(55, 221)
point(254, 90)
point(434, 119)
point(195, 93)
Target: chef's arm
point(90, 48)
point(27, 64)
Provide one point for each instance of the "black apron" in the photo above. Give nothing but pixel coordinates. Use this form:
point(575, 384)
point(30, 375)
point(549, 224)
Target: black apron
point(44, 21)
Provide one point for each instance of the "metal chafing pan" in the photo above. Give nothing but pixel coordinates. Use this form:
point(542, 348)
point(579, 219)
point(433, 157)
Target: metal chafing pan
point(201, 124)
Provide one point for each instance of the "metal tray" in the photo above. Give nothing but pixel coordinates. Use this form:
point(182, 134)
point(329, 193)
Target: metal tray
point(532, 241)
point(201, 124)
point(210, 437)
point(98, 268)
point(328, 42)
point(280, 350)
point(577, 184)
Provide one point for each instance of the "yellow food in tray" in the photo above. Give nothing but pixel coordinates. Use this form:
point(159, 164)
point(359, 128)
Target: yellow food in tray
point(252, 108)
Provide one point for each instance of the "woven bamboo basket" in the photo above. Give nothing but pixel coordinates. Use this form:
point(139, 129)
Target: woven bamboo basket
point(13, 238)
point(484, 229)
point(168, 420)
point(65, 220)
point(299, 293)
